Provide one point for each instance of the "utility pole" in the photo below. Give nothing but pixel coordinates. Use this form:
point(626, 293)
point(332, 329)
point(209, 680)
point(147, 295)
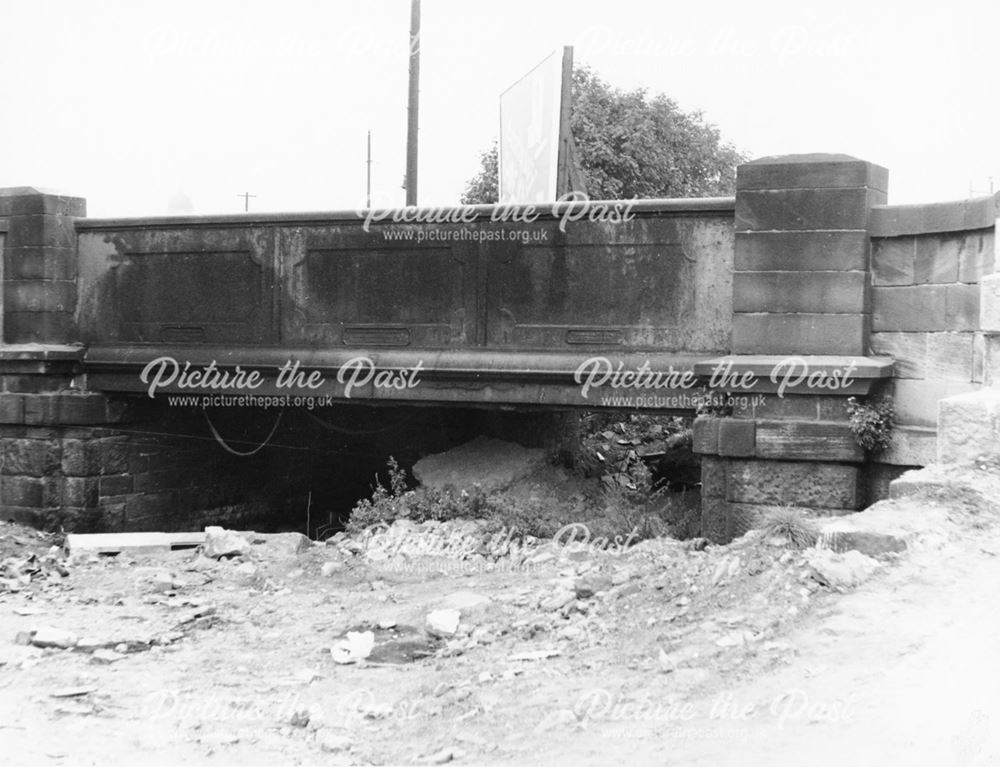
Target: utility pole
point(246, 200)
point(413, 109)
point(368, 185)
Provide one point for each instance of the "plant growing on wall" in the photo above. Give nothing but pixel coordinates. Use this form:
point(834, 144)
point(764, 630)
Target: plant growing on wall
point(871, 422)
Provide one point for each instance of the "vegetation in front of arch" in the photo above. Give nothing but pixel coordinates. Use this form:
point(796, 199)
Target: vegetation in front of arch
point(871, 422)
point(634, 511)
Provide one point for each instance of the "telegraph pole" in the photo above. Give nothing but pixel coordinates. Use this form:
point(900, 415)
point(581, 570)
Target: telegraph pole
point(413, 109)
point(246, 200)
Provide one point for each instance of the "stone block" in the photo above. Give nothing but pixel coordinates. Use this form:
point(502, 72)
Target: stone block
point(807, 441)
point(969, 427)
point(801, 251)
point(44, 230)
point(989, 303)
point(977, 258)
point(736, 437)
point(21, 491)
point(715, 519)
point(39, 263)
point(40, 296)
point(30, 457)
point(962, 307)
point(959, 216)
point(117, 484)
point(802, 209)
point(909, 309)
point(11, 408)
point(893, 261)
point(82, 408)
point(705, 435)
point(796, 483)
point(916, 401)
point(911, 446)
point(39, 327)
point(908, 351)
point(26, 200)
point(81, 492)
point(791, 406)
point(811, 171)
point(816, 292)
point(801, 333)
point(742, 518)
point(936, 258)
point(949, 356)
point(713, 477)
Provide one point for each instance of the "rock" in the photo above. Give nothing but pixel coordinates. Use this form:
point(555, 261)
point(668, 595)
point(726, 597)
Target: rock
point(589, 585)
point(557, 601)
point(841, 571)
point(355, 646)
point(330, 742)
point(246, 569)
point(491, 464)
point(224, 543)
point(104, 657)
point(329, 568)
point(868, 543)
point(735, 639)
point(442, 757)
point(621, 575)
point(300, 718)
point(442, 623)
point(52, 637)
point(163, 582)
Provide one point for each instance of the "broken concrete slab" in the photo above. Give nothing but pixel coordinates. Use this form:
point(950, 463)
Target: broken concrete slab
point(492, 464)
point(132, 543)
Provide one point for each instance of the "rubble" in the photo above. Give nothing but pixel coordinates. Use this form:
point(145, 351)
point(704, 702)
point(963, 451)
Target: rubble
point(224, 543)
point(443, 623)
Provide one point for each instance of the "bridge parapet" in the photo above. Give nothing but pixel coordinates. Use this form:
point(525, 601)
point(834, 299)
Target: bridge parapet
point(713, 304)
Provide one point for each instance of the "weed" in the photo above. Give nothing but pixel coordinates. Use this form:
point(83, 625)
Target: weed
point(791, 524)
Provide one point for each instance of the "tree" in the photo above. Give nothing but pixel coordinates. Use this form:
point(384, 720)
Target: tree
point(631, 145)
point(484, 187)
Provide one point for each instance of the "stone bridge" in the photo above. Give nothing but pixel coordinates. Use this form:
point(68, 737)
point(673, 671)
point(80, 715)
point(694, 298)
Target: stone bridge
point(766, 311)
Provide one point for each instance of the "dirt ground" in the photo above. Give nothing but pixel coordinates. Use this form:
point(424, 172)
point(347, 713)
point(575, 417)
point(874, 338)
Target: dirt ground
point(660, 654)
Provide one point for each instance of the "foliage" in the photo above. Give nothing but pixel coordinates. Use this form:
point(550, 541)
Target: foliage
point(791, 524)
point(632, 145)
point(871, 422)
point(621, 511)
point(484, 186)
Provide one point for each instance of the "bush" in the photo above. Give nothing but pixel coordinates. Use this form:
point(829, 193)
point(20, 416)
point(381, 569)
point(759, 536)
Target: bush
point(871, 422)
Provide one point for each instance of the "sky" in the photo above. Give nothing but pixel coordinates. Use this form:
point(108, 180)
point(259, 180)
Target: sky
point(135, 104)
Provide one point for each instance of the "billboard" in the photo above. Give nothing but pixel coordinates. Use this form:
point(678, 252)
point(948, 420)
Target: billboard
point(534, 127)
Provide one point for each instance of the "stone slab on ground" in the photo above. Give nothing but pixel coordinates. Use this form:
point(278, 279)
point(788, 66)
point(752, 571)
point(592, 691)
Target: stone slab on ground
point(114, 543)
point(492, 464)
point(884, 528)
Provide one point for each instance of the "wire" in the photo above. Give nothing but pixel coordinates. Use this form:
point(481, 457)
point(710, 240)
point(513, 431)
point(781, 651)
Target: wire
point(248, 453)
